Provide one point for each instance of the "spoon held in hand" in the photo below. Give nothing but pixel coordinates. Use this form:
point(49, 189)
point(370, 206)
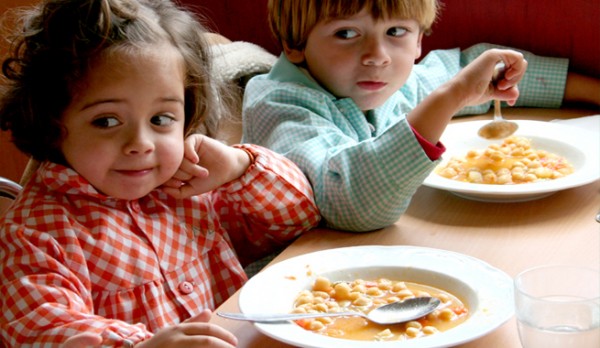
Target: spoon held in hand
point(499, 128)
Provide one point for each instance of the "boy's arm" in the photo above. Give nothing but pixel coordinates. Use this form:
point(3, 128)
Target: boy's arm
point(581, 88)
point(547, 83)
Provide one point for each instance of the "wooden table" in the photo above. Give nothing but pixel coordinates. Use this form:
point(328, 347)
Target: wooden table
point(510, 236)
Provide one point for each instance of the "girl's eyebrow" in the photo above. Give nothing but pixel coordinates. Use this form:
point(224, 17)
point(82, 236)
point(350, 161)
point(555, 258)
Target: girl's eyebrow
point(100, 101)
point(116, 100)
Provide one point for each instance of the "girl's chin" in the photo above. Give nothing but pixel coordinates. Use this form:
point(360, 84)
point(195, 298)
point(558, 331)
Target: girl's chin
point(127, 193)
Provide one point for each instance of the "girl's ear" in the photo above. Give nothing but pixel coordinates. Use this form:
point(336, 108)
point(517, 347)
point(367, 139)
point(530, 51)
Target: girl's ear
point(293, 55)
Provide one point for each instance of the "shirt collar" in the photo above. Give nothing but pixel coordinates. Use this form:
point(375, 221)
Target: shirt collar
point(285, 71)
point(57, 177)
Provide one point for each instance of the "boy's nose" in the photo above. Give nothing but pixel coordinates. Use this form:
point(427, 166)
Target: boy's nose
point(375, 54)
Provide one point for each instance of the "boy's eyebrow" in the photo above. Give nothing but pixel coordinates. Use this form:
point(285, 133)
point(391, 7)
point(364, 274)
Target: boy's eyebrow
point(116, 100)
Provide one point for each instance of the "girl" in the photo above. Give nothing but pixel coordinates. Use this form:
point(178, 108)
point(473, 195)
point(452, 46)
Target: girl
point(128, 232)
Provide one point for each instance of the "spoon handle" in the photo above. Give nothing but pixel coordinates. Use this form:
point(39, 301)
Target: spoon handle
point(497, 111)
point(271, 318)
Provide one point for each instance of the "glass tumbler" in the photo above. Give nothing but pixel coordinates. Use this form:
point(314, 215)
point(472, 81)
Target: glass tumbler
point(558, 306)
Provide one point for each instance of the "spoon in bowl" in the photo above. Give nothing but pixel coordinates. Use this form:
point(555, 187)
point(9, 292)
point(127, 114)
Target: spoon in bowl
point(499, 128)
point(391, 313)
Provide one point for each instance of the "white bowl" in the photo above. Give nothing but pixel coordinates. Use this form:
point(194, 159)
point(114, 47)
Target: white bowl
point(577, 145)
point(487, 292)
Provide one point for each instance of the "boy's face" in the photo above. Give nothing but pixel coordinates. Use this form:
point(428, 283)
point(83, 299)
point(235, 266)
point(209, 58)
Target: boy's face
point(125, 124)
point(361, 58)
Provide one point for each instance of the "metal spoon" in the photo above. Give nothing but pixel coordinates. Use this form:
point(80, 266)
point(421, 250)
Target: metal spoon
point(499, 128)
point(392, 313)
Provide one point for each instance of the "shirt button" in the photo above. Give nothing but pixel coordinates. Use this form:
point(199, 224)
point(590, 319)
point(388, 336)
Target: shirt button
point(186, 288)
point(135, 206)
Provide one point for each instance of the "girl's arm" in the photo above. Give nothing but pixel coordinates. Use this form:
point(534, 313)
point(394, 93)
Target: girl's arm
point(271, 204)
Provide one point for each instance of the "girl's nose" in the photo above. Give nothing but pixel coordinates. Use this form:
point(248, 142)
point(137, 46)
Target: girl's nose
point(375, 53)
point(138, 142)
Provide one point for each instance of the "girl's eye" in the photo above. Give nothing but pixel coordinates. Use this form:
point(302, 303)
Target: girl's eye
point(346, 33)
point(396, 31)
point(106, 122)
point(162, 120)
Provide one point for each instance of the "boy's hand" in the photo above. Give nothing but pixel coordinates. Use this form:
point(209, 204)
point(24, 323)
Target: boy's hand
point(476, 78)
point(207, 165)
point(473, 85)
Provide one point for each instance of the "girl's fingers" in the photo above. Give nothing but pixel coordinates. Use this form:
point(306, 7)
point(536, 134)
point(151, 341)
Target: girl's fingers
point(83, 340)
point(212, 330)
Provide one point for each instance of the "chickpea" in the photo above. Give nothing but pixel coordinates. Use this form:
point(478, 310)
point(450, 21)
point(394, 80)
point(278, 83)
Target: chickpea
point(399, 286)
point(414, 324)
point(321, 294)
point(342, 291)
point(406, 293)
point(321, 307)
point(446, 314)
point(315, 325)
point(374, 292)
point(384, 284)
point(429, 330)
point(362, 301)
point(412, 332)
point(475, 177)
point(325, 320)
point(322, 284)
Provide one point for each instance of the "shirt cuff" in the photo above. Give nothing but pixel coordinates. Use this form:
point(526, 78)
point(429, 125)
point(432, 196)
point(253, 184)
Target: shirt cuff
point(434, 152)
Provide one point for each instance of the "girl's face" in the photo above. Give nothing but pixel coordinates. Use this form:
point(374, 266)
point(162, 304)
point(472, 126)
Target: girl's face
point(360, 58)
point(125, 124)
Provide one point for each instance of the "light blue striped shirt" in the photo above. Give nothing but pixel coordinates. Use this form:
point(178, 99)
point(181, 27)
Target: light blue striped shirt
point(365, 169)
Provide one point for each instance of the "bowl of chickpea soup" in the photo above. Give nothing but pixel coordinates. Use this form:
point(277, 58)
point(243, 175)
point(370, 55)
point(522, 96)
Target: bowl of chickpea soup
point(541, 158)
point(476, 298)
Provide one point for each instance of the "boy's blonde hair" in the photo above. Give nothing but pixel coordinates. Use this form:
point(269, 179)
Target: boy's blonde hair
point(292, 20)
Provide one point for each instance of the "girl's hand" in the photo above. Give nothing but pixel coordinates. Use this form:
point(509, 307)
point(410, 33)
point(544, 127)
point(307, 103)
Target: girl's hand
point(194, 332)
point(207, 165)
point(84, 340)
point(474, 82)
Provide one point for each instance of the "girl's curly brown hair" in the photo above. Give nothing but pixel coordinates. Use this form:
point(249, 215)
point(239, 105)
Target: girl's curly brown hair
point(53, 49)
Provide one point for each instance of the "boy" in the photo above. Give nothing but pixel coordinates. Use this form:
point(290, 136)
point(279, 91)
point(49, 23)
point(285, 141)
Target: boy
point(347, 104)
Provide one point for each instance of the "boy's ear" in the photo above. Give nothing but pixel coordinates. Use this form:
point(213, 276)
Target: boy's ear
point(419, 46)
point(293, 55)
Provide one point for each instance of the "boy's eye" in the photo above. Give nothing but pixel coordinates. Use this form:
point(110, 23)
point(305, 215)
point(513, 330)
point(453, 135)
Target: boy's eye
point(162, 120)
point(106, 122)
point(346, 33)
point(396, 31)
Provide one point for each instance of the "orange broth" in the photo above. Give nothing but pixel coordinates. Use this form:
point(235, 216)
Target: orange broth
point(449, 314)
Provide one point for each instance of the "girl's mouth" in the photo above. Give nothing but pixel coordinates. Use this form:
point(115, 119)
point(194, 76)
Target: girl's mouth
point(134, 173)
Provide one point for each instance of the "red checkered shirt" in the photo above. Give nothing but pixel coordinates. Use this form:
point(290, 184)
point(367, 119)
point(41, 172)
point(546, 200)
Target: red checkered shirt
point(74, 260)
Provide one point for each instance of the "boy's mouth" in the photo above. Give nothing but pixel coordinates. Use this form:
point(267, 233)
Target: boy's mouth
point(371, 85)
